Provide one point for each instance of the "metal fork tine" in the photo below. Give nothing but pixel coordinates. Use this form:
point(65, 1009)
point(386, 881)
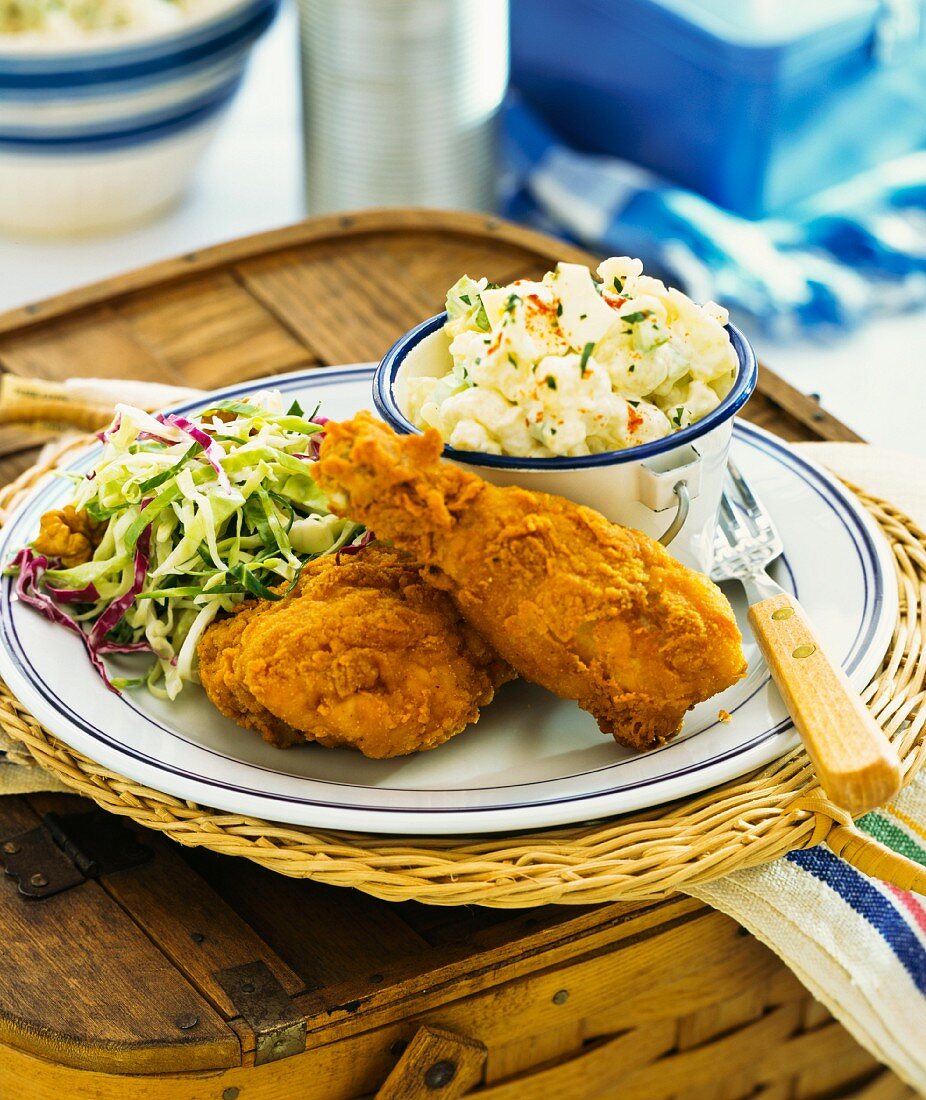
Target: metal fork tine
point(730, 521)
point(746, 539)
point(752, 506)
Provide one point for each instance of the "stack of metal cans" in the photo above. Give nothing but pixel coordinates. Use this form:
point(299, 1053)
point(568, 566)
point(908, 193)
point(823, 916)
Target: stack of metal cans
point(400, 101)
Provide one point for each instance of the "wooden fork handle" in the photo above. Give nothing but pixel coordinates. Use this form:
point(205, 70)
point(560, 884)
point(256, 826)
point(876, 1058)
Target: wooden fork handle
point(856, 764)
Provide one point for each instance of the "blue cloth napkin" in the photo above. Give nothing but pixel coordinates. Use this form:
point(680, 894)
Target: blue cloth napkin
point(856, 251)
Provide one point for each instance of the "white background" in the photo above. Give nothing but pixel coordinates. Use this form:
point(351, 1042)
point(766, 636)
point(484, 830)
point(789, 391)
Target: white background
point(874, 380)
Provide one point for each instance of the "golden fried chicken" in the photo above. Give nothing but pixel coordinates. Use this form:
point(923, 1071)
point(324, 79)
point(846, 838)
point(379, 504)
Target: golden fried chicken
point(363, 655)
point(592, 611)
point(68, 534)
point(221, 673)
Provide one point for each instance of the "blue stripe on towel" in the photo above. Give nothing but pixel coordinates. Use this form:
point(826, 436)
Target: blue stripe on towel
point(867, 900)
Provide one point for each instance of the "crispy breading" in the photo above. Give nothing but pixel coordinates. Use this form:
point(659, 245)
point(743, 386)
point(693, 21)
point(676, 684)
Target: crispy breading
point(69, 535)
point(221, 675)
point(592, 611)
point(362, 655)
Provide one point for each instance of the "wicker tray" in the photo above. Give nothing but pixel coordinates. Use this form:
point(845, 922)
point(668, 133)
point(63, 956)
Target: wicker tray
point(638, 857)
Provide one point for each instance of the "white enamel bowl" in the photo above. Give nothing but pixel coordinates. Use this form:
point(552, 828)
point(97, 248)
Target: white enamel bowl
point(107, 131)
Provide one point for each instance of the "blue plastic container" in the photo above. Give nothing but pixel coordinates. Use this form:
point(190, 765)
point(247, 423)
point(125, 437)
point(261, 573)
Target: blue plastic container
point(753, 103)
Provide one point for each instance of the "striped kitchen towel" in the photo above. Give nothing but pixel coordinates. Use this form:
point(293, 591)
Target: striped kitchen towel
point(854, 252)
point(858, 945)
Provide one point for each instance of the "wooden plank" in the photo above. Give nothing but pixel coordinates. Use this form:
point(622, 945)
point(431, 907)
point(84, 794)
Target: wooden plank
point(94, 344)
point(436, 260)
point(598, 1072)
point(435, 1061)
point(510, 1060)
point(343, 1071)
point(201, 937)
point(410, 987)
point(358, 1064)
point(81, 985)
point(344, 303)
point(328, 936)
point(530, 1000)
point(446, 225)
point(210, 332)
point(820, 1060)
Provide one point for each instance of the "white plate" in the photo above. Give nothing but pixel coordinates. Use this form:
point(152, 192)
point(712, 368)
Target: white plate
point(533, 760)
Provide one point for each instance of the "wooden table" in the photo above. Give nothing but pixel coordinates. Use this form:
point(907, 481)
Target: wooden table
point(194, 972)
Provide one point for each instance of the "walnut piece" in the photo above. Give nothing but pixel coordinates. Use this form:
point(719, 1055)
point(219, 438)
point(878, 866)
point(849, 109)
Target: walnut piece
point(69, 535)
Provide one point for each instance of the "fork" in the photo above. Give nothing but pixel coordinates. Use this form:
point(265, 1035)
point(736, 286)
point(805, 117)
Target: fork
point(857, 766)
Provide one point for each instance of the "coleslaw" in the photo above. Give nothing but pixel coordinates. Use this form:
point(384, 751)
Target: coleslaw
point(182, 518)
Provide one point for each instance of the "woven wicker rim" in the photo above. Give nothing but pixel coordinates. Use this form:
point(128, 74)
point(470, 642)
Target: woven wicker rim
point(640, 857)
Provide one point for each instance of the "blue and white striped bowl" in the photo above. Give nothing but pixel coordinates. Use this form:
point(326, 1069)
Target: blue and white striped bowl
point(107, 132)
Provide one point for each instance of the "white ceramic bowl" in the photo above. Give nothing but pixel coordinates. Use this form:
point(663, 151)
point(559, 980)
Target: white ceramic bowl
point(670, 488)
point(106, 131)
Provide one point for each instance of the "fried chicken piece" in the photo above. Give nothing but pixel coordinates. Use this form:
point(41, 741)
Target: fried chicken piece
point(592, 611)
point(68, 534)
point(220, 672)
point(363, 655)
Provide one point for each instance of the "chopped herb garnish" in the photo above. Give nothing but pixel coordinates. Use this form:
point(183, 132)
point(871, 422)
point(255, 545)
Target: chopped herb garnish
point(677, 419)
point(633, 318)
point(618, 284)
point(586, 353)
point(295, 409)
point(511, 302)
point(559, 309)
point(631, 368)
point(583, 316)
point(550, 381)
point(512, 360)
point(466, 298)
point(634, 403)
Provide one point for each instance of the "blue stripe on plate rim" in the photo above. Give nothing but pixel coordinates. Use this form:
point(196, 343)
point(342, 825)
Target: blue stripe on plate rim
point(829, 492)
point(133, 134)
point(62, 71)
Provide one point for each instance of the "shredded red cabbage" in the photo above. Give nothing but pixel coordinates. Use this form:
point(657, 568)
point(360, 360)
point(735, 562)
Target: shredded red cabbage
point(124, 647)
point(365, 539)
point(103, 436)
point(212, 451)
point(32, 566)
point(315, 441)
point(88, 594)
point(113, 614)
point(157, 438)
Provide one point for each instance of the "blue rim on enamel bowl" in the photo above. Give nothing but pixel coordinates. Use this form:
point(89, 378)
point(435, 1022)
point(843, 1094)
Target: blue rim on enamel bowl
point(150, 58)
point(387, 406)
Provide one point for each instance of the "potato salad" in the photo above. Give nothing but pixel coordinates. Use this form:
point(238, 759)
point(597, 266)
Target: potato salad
point(35, 22)
point(574, 365)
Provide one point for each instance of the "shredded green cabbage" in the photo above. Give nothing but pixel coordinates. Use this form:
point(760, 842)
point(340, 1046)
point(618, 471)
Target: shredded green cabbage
point(233, 510)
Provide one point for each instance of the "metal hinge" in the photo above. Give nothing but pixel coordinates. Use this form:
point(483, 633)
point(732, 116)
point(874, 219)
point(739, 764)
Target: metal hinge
point(279, 1027)
point(67, 849)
